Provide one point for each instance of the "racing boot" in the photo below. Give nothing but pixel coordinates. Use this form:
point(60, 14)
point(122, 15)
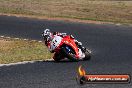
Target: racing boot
point(72, 37)
point(79, 44)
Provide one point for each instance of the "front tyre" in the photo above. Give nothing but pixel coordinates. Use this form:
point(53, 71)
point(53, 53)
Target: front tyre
point(70, 54)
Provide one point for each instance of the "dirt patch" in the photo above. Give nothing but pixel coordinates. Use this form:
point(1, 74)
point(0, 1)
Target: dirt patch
point(5, 44)
point(97, 10)
point(58, 18)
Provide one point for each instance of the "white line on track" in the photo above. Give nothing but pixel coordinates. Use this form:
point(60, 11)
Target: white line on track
point(118, 24)
point(8, 37)
point(1, 36)
point(20, 38)
point(40, 41)
point(25, 62)
point(16, 38)
point(25, 39)
point(34, 40)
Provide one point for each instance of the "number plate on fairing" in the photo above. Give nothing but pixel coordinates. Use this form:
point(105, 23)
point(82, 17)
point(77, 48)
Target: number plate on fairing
point(55, 42)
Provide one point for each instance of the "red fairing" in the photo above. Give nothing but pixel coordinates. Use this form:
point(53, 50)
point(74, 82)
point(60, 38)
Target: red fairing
point(69, 41)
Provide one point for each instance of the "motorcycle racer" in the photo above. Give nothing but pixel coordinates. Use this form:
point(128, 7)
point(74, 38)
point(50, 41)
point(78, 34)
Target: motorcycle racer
point(48, 36)
point(65, 46)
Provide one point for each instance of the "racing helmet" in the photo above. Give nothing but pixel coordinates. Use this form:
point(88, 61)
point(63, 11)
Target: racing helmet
point(47, 34)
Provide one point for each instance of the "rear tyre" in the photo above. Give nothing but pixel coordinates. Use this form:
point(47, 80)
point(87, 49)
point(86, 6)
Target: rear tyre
point(87, 55)
point(69, 55)
point(57, 57)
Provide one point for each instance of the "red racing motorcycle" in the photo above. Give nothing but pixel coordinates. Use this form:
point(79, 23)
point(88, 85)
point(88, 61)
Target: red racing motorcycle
point(65, 47)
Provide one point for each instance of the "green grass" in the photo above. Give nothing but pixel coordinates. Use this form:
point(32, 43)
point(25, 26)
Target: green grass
point(12, 51)
point(106, 10)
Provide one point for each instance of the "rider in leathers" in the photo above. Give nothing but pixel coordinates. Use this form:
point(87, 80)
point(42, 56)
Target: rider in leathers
point(50, 36)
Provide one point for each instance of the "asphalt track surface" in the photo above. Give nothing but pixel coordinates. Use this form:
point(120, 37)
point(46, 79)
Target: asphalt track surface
point(111, 47)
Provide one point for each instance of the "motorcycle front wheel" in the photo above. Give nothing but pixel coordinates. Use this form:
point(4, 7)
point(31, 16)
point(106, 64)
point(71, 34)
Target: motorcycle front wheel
point(70, 54)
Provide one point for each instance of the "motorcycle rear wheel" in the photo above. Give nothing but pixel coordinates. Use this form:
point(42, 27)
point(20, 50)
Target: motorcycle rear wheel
point(57, 57)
